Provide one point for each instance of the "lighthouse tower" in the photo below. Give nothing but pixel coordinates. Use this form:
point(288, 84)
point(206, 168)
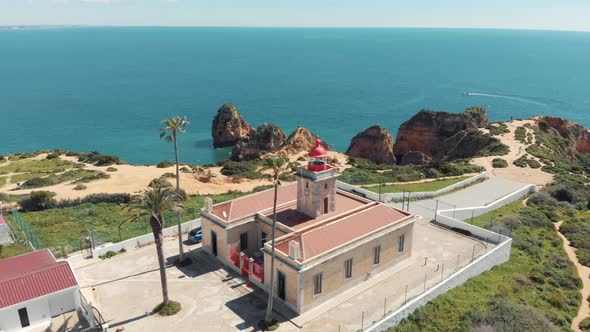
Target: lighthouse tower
point(316, 183)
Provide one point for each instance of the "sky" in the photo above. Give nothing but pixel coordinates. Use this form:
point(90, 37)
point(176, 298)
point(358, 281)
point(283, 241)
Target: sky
point(503, 14)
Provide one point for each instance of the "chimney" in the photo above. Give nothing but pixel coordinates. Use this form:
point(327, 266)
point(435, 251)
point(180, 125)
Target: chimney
point(208, 204)
point(294, 249)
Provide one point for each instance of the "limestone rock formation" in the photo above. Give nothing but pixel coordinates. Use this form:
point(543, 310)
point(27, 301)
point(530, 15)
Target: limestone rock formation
point(267, 138)
point(576, 133)
point(465, 144)
point(415, 158)
point(374, 144)
point(301, 139)
point(427, 130)
point(229, 127)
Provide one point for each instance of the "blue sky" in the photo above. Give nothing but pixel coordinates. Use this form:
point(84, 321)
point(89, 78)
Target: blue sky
point(517, 14)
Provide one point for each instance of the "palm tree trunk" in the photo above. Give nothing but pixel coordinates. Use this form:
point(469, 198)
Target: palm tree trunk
point(180, 247)
point(268, 316)
point(157, 230)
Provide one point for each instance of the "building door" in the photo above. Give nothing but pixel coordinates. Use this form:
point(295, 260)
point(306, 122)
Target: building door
point(214, 243)
point(325, 205)
point(282, 286)
point(24, 317)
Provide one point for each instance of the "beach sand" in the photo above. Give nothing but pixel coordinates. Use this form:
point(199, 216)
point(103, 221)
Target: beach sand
point(133, 178)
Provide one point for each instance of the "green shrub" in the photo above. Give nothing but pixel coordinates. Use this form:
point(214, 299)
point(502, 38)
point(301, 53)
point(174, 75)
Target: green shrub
point(520, 134)
point(585, 324)
point(160, 183)
point(111, 169)
point(37, 201)
point(52, 156)
point(108, 254)
point(80, 186)
point(499, 163)
point(165, 164)
point(169, 175)
point(241, 169)
point(498, 129)
point(496, 148)
point(98, 159)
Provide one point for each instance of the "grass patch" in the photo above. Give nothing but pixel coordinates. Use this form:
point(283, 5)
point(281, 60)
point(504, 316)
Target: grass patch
point(62, 228)
point(539, 282)
point(77, 176)
point(38, 166)
point(498, 129)
point(370, 174)
point(2, 181)
point(418, 187)
point(524, 162)
point(172, 308)
point(520, 135)
point(499, 163)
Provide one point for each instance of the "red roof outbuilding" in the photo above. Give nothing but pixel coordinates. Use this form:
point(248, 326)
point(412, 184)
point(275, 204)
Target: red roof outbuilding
point(33, 275)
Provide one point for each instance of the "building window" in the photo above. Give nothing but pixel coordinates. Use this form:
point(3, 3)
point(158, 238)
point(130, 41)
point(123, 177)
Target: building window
point(306, 185)
point(348, 268)
point(24, 317)
point(263, 240)
point(326, 186)
point(376, 255)
point(325, 205)
point(317, 283)
point(243, 241)
point(401, 243)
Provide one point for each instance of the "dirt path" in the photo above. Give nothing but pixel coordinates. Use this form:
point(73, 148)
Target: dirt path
point(584, 273)
point(517, 150)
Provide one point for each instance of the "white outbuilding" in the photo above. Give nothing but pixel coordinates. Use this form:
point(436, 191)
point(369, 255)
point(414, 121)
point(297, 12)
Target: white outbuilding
point(34, 287)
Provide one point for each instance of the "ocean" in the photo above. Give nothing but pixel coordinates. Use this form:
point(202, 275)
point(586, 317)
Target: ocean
point(107, 89)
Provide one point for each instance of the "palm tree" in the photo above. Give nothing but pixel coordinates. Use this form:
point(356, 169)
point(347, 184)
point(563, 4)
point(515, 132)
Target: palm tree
point(152, 203)
point(170, 130)
point(277, 166)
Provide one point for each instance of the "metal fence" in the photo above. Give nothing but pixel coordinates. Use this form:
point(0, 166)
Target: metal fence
point(26, 230)
point(396, 290)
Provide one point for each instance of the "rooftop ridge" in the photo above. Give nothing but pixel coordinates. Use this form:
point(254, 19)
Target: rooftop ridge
point(253, 194)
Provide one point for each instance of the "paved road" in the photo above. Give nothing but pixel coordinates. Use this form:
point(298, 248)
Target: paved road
point(477, 195)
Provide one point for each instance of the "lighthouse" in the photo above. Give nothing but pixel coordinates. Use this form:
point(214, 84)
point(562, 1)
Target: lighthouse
point(316, 183)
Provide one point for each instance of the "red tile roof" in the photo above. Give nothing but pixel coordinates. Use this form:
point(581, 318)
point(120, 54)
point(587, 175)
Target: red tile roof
point(333, 234)
point(291, 217)
point(33, 275)
point(26, 262)
point(252, 204)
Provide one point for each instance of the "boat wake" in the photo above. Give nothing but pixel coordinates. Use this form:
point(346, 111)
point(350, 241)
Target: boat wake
point(531, 100)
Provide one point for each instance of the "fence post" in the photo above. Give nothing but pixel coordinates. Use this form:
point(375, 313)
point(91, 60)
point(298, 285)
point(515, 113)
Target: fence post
point(473, 253)
point(425, 260)
point(472, 213)
point(458, 256)
point(442, 272)
point(425, 275)
point(406, 295)
point(384, 306)
point(363, 321)
point(436, 210)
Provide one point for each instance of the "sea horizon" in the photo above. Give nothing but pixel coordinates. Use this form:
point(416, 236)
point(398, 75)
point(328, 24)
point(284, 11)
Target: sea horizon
point(106, 88)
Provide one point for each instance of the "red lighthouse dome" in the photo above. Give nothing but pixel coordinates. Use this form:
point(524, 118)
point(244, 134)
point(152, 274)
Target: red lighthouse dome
point(318, 151)
point(318, 155)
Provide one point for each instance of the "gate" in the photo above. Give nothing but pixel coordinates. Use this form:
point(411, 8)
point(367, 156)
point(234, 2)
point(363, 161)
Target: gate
point(258, 271)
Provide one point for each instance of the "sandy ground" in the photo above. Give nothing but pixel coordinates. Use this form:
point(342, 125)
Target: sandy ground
point(584, 273)
point(517, 150)
point(132, 178)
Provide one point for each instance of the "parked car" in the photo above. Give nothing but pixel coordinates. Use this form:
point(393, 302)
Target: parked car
point(195, 236)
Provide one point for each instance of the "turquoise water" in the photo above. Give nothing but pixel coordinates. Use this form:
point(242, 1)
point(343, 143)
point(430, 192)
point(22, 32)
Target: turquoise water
point(107, 89)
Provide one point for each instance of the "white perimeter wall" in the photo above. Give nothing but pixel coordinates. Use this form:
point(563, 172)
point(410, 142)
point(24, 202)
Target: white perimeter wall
point(143, 239)
point(496, 256)
point(40, 310)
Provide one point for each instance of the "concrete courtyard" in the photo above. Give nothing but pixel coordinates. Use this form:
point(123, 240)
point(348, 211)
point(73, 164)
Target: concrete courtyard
point(125, 288)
